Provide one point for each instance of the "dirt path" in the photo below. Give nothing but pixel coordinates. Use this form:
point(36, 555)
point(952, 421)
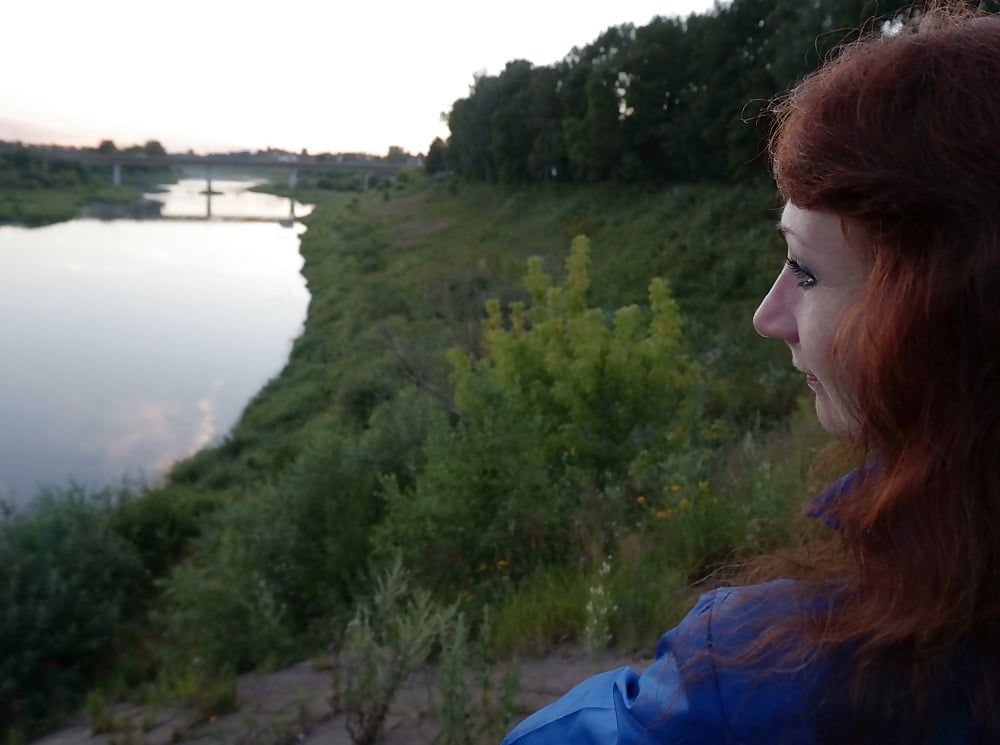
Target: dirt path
point(294, 706)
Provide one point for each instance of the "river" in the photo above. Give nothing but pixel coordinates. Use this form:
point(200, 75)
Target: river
point(126, 345)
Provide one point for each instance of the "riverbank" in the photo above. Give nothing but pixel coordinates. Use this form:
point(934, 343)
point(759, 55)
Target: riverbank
point(34, 191)
point(259, 551)
point(36, 207)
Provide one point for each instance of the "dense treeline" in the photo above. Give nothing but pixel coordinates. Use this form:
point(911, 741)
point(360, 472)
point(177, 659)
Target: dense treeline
point(37, 190)
point(677, 99)
point(20, 168)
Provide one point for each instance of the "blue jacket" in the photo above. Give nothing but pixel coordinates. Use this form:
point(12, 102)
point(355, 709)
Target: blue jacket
point(684, 696)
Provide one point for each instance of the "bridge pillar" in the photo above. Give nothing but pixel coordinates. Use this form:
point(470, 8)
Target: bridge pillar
point(364, 182)
point(116, 174)
point(293, 178)
point(208, 191)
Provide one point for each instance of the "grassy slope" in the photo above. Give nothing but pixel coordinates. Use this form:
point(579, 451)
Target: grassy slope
point(394, 283)
point(412, 273)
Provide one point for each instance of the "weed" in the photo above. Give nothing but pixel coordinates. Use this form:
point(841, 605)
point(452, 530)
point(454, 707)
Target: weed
point(385, 641)
point(600, 606)
point(455, 707)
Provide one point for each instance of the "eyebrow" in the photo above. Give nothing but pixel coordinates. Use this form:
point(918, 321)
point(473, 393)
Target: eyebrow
point(784, 230)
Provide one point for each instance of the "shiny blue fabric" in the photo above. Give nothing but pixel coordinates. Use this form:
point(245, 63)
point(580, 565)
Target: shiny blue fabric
point(682, 697)
point(689, 696)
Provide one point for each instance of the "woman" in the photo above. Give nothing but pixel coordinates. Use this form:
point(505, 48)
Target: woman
point(888, 159)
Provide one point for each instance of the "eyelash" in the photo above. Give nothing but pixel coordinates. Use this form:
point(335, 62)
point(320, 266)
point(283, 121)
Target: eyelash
point(805, 277)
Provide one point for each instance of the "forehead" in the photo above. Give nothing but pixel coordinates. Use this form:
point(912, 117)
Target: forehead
point(812, 230)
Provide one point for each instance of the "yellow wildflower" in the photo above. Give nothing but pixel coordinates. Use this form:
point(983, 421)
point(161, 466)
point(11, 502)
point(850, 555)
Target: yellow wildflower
point(640, 500)
point(675, 488)
point(483, 567)
point(684, 504)
point(703, 486)
point(661, 514)
point(502, 563)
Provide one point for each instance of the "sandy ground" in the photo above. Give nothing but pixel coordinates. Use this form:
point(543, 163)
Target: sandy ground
point(294, 706)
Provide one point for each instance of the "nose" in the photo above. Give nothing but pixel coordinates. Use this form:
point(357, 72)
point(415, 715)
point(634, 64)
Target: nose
point(775, 316)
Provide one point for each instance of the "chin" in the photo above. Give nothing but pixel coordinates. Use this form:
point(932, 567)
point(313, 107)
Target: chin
point(833, 418)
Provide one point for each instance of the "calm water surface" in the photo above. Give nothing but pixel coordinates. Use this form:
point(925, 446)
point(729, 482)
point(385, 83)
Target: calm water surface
point(127, 344)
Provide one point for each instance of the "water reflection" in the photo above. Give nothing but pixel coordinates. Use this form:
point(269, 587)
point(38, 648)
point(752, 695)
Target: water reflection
point(128, 344)
point(193, 199)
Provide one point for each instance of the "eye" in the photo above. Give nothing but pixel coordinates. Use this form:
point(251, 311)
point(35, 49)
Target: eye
point(805, 277)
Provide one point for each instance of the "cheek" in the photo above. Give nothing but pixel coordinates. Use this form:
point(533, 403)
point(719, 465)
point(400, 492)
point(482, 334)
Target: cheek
point(817, 333)
point(834, 399)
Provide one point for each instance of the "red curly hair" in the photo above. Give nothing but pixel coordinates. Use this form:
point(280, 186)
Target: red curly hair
point(899, 135)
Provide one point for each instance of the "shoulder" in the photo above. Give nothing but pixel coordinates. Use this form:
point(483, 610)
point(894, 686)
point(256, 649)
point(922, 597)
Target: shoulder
point(696, 691)
point(732, 678)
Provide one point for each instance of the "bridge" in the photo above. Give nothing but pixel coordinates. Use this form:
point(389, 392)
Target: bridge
point(367, 168)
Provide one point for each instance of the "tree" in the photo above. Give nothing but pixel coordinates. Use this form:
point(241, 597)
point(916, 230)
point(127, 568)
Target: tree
point(437, 155)
point(107, 146)
point(153, 147)
point(512, 134)
point(548, 153)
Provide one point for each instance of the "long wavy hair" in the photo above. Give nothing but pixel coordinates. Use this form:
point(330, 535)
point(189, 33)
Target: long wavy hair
point(899, 135)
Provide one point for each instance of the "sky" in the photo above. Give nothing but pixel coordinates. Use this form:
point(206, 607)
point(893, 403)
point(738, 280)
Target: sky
point(327, 76)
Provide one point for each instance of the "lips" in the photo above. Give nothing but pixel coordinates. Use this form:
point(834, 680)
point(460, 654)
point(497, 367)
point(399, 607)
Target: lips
point(810, 378)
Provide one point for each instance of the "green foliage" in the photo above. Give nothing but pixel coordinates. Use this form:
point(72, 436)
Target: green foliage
point(605, 387)
point(571, 411)
point(468, 667)
point(161, 523)
point(563, 400)
point(455, 699)
point(676, 99)
point(208, 694)
point(597, 630)
point(481, 508)
point(69, 583)
point(547, 607)
point(224, 607)
point(35, 190)
point(386, 640)
point(276, 564)
point(437, 157)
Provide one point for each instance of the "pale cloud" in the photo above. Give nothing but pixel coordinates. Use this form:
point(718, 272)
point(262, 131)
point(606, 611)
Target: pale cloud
point(147, 434)
point(205, 429)
point(143, 426)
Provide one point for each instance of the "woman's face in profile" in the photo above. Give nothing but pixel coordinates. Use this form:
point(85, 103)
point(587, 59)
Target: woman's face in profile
point(823, 276)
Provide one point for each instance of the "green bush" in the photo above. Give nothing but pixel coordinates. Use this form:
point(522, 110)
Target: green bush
point(564, 400)
point(68, 592)
point(223, 607)
point(274, 567)
point(161, 523)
